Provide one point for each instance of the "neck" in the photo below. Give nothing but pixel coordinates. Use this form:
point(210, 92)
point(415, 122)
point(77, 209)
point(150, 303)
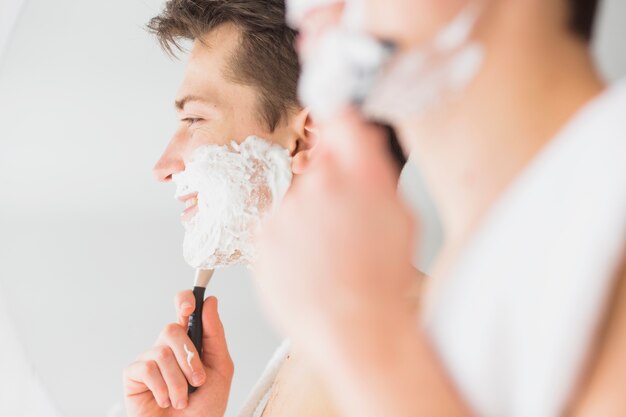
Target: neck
point(526, 92)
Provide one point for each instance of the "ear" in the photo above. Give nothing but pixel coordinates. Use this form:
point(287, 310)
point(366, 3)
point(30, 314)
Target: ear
point(306, 139)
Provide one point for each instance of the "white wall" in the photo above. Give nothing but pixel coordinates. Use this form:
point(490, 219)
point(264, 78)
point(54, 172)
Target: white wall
point(89, 243)
point(9, 13)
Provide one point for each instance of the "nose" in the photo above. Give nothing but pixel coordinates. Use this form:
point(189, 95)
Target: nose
point(170, 163)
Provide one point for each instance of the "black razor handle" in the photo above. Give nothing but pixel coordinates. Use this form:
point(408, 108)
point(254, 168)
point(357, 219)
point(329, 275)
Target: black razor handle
point(194, 327)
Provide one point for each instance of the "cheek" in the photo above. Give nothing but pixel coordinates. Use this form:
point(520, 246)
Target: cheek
point(242, 122)
point(410, 23)
point(241, 114)
point(207, 134)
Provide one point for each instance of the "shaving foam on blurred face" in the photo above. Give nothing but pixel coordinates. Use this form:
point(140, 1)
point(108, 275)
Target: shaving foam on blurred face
point(349, 67)
point(236, 185)
point(341, 71)
point(353, 16)
point(418, 80)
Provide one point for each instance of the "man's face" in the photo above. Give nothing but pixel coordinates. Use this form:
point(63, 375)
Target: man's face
point(212, 109)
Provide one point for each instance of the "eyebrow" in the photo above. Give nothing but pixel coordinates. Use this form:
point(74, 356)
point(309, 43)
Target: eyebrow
point(180, 104)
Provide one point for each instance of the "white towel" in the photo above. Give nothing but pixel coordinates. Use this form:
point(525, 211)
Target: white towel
point(514, 321)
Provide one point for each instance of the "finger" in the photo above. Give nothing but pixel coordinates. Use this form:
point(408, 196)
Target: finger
point(172, 374)
point(347, 134)
point(360, 148)
point(185, 303)
point(323, 175)
point(175, 337)
point(143, 376)
point(215, 353)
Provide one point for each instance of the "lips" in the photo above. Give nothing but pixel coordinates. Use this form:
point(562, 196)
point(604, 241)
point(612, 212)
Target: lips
point(191, 206)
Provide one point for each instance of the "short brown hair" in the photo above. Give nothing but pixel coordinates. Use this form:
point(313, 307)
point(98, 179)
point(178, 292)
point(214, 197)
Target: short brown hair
point(582, 17)
point(266, 59)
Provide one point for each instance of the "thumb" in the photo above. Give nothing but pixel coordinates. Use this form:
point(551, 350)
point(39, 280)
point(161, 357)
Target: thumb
point(215, 353)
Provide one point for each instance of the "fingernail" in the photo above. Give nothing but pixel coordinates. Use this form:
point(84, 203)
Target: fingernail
point(166, 404)
point(197, 378)
point(181, 404)
point(185, 306)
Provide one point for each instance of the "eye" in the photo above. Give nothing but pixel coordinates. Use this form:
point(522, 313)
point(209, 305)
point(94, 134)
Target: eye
point(190, 120)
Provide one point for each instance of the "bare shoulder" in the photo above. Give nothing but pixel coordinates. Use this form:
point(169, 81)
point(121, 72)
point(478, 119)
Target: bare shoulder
point(299, 391)
point(601, 392)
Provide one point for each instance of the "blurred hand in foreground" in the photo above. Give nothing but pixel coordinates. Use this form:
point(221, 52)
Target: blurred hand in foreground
point(334, 264)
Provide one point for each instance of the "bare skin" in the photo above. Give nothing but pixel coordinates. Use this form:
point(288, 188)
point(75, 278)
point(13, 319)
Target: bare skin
point(298, 390)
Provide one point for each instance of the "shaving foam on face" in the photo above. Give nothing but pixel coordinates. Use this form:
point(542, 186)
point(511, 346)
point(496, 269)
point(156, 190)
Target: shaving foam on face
point(190, 356)
point(236, 185)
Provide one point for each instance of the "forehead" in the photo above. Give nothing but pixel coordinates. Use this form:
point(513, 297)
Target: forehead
point(217, 45)
point(209, 59)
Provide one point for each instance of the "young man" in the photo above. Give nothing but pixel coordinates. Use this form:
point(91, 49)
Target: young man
point(240, 80)
point(526, 306)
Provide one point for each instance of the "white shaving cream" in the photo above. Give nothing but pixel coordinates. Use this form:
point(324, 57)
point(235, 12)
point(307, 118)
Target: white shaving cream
point(236, 185)
point(190, 355)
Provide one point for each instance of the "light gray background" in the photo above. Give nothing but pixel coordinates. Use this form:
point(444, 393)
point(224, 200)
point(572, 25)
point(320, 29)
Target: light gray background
point(90, 244)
